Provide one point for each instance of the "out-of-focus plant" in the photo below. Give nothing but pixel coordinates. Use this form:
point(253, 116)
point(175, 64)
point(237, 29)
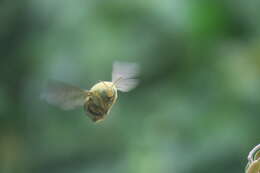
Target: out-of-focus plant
point(253, 165)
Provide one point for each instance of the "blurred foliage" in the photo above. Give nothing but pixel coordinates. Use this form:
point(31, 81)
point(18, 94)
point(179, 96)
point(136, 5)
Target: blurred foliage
point(196, 109)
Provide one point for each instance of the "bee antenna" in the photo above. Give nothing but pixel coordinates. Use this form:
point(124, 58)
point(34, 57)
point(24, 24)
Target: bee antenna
point(114, 83)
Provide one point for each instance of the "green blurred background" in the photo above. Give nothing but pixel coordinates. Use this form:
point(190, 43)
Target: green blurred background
point(196, 109)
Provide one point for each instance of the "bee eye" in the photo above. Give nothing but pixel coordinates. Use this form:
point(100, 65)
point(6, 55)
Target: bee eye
point(110, 97)
point(110, 94)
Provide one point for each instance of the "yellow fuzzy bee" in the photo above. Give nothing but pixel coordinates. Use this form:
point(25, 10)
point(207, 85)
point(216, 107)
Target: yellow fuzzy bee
point(97, 101)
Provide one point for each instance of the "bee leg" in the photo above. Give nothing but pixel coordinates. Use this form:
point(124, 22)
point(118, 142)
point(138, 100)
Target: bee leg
point(101, 102)
point(88, 94)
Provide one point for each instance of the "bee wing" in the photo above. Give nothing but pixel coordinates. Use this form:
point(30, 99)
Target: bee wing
point(123, 75)
point(64, 95)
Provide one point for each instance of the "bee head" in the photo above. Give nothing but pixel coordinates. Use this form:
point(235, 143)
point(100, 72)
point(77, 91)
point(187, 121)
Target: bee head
point(107, 91)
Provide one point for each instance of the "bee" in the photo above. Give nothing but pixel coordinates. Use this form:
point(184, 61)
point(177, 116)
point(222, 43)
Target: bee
point(98, 101)
point(253, 165)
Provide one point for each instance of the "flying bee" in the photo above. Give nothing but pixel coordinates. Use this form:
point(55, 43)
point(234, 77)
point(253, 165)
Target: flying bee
point(97, 101)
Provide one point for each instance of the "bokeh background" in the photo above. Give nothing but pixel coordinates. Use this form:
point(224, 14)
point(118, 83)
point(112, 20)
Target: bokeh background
point(196, 109)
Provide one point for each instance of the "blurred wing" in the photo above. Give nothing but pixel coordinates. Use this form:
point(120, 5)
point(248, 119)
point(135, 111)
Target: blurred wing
point(126, 85)
point(123, 75)
point(64, 95)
